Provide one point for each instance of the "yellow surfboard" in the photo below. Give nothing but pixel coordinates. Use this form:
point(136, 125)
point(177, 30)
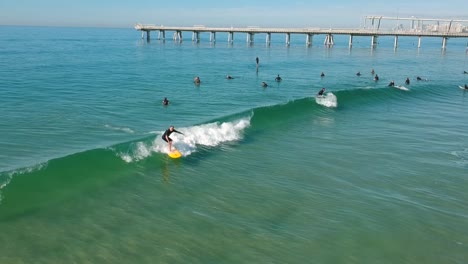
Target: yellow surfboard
point(175, 154)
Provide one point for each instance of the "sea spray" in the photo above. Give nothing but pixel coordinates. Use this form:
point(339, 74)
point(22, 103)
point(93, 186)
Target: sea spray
point(211, 135)
point(329, 100)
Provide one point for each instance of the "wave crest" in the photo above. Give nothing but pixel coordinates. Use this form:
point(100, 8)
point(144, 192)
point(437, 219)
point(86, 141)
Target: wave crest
point(211, 134)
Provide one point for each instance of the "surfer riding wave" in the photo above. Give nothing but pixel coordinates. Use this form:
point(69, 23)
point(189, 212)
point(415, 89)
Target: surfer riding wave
point(166, 135)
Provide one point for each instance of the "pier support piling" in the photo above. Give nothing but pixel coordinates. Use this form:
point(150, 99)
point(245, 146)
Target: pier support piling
point(230, 37)
point(374, 41)
point(213, 36)
point(288, 39)
point(329, 40)
point(148, 36)
point(268, 38)
point(177, 36)
point(250, 38)
point(350, 41)
point(395, 44)
point(419, 42)
point(196, 36)
point(309, 39)
point(444, 42)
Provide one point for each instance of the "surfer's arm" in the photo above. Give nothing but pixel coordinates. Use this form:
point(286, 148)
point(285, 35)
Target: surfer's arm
point(178, 132)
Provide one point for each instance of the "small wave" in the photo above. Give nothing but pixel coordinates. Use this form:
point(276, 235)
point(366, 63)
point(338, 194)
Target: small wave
point(329, 100)
point(211, 134)
point(124, 129)
point(6, 177)
point(462, 156)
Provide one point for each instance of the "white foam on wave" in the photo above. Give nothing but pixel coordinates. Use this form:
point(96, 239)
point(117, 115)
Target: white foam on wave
point(123, 129)
point(212, 134)
point(328, 100)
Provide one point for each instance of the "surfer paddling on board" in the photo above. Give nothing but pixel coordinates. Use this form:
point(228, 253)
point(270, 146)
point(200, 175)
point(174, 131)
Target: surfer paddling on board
point(166, 135)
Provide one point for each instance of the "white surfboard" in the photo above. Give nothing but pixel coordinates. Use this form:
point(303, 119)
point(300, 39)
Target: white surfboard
point(461, 87)
point(401, 87)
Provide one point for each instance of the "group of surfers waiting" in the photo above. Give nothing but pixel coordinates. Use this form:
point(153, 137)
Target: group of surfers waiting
point(278, 78)
point(407, 81)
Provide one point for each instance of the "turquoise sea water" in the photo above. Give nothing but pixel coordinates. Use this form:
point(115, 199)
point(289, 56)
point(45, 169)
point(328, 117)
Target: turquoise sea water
point(368, 174)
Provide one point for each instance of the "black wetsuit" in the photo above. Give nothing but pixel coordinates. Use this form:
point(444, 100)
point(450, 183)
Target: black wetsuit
point(321, 92)
point(168, 133)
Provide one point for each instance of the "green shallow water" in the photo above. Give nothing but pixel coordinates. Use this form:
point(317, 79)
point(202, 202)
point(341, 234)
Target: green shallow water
point(268, 176)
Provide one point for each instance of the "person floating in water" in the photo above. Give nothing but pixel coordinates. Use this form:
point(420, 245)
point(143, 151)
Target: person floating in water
point(358, 73)
point(196, 80)
point(320, 93)
point(407, 82)
point(322, 74)
point(166, 135)
point(165, 101)
point(465, 72)
point(419, 78)
point(257, 60)
point(229, 77)
point(278, 78)
point(376, 77)
point(372, 72)
point(466, 87)
point(392, 83)
point(264, 84)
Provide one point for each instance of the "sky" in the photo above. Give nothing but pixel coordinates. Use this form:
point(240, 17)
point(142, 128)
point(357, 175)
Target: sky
point(219, 13)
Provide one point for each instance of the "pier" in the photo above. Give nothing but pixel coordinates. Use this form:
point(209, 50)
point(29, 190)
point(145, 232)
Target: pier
point(417, 28)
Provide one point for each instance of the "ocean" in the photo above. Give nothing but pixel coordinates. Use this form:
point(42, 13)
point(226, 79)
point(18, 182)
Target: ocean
point(366, 174)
